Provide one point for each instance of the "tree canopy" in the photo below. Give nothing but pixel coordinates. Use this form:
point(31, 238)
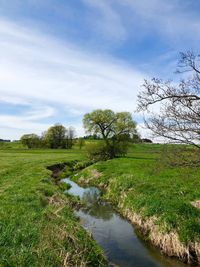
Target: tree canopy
point(114, 128)
point(30, 140)
point(57, 136)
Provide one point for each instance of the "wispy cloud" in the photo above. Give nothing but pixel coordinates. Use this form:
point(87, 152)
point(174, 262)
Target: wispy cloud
point(50, 76)
point(172, 19)
point(106, 20)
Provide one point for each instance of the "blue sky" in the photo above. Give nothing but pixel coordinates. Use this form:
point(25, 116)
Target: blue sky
point(61, 59)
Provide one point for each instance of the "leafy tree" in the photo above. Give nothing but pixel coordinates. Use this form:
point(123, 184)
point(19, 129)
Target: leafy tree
point(55, 137)
point(115, 129)
point(30, 140)
point(178, 115)
point(58, 136)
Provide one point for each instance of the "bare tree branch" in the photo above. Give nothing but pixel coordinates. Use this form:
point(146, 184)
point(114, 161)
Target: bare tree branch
point(178, 115)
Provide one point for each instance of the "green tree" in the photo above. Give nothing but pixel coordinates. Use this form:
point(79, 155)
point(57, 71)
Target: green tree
point(116, 129)
point(30, 140)
point(56, 136)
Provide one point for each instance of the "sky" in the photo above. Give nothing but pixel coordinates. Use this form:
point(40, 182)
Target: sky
point(60, 59)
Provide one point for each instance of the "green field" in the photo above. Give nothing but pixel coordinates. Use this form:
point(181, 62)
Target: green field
point(38, 228)
point(37, 225)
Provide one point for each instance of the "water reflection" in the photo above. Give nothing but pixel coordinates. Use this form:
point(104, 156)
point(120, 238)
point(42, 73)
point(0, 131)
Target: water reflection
point(91, 196)
point(99, 210)
point(114, 234)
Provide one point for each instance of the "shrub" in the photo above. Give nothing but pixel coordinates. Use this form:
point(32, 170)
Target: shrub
point(97, 151)
point(121, 148)
point(102, 151)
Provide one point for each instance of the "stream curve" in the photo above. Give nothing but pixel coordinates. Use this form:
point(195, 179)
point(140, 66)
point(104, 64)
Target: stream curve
point(117, 237)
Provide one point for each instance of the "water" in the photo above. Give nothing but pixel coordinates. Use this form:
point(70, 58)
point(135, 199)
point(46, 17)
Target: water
point(118, 238)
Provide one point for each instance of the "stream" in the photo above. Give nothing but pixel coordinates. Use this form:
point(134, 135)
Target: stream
point(120, 242)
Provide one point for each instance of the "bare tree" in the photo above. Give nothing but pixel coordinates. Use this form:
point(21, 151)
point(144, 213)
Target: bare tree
point(178, 106)
point(70, 137)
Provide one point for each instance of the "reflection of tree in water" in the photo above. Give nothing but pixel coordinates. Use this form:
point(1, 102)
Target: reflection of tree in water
point(101, 211)
point(91, 196)
point(95, 207)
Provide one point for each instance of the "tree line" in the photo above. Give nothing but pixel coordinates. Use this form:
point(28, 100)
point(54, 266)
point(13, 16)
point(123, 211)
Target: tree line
point(112, 133)
point(56, 136)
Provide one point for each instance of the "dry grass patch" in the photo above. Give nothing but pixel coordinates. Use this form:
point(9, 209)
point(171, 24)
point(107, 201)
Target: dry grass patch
point(196, 204)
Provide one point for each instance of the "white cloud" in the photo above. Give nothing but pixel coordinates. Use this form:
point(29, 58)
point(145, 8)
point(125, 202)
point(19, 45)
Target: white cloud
point(49, 76)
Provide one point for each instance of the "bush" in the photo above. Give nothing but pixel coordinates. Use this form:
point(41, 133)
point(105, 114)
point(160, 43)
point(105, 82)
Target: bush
point(97, 151)
point(102, 151)
point(30, 140)
point(121, 148)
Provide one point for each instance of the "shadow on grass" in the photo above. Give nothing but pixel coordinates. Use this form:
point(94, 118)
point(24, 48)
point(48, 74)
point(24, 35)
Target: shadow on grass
point(142, 158)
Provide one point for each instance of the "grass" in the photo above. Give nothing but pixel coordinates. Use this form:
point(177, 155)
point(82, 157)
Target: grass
point(37, 226)
point(145, 185)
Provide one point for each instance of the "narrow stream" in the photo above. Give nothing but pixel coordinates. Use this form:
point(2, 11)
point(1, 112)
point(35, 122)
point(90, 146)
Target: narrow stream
point(118, 238)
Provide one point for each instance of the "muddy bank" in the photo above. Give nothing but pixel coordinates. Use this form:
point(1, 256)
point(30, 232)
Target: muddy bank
point(68, 168)
point(57, 169)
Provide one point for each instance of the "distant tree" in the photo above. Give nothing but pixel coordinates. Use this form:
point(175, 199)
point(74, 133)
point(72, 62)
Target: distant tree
point(5, 140)
point(55, 136)
point(178, 106)
point(92, 137)
point(58, 136)
point(136, 138)
point(115, 129)
point(43, 140)
point(146, 140)
point(70, 135)
point(30, 140)
point(80, 142)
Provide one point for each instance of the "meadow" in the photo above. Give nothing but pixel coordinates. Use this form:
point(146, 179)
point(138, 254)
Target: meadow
point(38, 227)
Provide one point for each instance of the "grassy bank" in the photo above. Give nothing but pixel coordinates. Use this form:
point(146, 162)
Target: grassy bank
point(38, 228)
point(159, 199)
point(37, 225)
